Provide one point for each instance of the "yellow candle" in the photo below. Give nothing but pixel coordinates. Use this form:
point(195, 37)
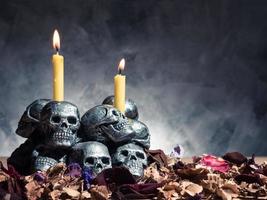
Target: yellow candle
point(119, 88)
point(58, 70)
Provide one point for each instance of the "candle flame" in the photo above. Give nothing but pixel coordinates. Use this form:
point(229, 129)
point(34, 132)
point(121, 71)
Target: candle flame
point(121, 65)
point(56, 40)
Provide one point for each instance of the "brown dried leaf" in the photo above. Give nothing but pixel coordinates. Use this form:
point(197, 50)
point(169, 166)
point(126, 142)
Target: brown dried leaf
point(213, 182)
point(169, 194)
point(191, 188)
point(55, 194)
point(153, 173)
point(231, 185)
point(3, 176)
point(192, 174)
point(99, 192)
point(56, 170)
point(74, 194)
point(226, 194)
point(34, 190)
point(85, 195)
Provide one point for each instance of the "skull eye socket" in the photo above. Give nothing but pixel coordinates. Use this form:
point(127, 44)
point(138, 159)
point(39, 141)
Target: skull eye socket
point(72, 120)
point(140, 155)
point(124, 152)
point(55, 119)
point(90, 160)
point(105, 160)
point(114, 112)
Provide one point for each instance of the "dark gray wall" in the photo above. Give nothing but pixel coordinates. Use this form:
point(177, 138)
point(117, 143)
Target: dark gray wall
point(196, 69)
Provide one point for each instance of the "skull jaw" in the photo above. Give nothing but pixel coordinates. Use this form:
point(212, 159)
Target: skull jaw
point(136, 168)
point(44, 163)
point(97, 170)
point(63, 139)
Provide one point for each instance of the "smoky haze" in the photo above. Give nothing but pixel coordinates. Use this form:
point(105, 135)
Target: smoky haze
point(196, 69)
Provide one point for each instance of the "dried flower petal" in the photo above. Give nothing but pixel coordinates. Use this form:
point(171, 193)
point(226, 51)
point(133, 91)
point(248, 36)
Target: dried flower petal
point(74, 170)
point(87, 175)
point(99, 193)
point(215, 163)
point(191, 189)
point(235, 158)
point(74, 194)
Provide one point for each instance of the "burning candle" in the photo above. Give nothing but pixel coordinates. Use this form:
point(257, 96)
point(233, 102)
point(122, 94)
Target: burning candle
point(119, 87)
point(58, 70)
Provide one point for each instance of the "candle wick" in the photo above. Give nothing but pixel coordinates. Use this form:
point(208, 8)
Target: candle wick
point(119, 71)
point(57, 50)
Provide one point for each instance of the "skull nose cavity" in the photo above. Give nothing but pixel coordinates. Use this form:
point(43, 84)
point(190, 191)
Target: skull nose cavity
point(98, 165)
point(64, 125)
point(132, 157)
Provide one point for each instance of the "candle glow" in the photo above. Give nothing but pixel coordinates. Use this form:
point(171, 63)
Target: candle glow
point(56, 40)
point(121, 65)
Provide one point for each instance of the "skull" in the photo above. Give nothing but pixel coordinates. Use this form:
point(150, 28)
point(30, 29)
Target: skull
point(142, 135)
point(94, 155)
point(131, 110)
point(44, 163)
point(60, 122)
point(132, 157)
point(45, 157)
point(30, 119)
point(104, 123)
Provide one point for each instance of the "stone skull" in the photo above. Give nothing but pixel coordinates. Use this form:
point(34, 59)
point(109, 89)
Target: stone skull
point(30, 119)
point(60, 122)
point(131, 110)
point(94, 155)
point(132, 157)
point(45, 157)
point(106, 124)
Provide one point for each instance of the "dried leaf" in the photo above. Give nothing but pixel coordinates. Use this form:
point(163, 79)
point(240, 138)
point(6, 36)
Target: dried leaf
point(153, 173)
point(214, 163)
point(235, 158)
point(99, 192)
point(55, 194)
point(74, 194)
point(3, 176)
point(56, 170)
point(191, 188)
point(86, 195)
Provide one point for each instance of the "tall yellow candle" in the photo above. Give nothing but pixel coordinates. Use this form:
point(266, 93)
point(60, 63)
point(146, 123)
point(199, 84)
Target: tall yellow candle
point(119, 88)
point(58, 70)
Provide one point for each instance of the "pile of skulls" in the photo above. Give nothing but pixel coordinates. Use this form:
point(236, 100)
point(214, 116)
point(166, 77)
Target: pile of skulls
point(103, 137)
point(105, 155)
point(230, 177)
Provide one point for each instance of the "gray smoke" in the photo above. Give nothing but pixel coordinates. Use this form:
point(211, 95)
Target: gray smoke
point(196, 69)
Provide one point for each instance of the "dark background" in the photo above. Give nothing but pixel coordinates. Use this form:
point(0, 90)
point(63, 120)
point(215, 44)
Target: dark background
point(196, 69)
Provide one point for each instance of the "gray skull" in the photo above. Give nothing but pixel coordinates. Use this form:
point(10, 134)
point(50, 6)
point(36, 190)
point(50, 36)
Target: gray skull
point(60, 122)
point(104, 123)
point(131, 110)
point(94, 155)
point(142, 135)
point(43, 161)
point(132, 157)
point(30, 118)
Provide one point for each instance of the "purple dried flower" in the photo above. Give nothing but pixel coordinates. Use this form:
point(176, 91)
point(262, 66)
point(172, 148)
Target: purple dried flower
point(39, 177)
point(177, 151)
point(74, 170)
point(87, 175)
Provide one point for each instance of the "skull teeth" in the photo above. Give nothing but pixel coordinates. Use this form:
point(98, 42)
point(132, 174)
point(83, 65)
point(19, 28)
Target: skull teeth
point(120, 125)
point(62, 135)
point(45, 161)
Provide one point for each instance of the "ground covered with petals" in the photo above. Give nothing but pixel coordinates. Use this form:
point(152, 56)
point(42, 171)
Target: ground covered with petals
point(231, 176)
